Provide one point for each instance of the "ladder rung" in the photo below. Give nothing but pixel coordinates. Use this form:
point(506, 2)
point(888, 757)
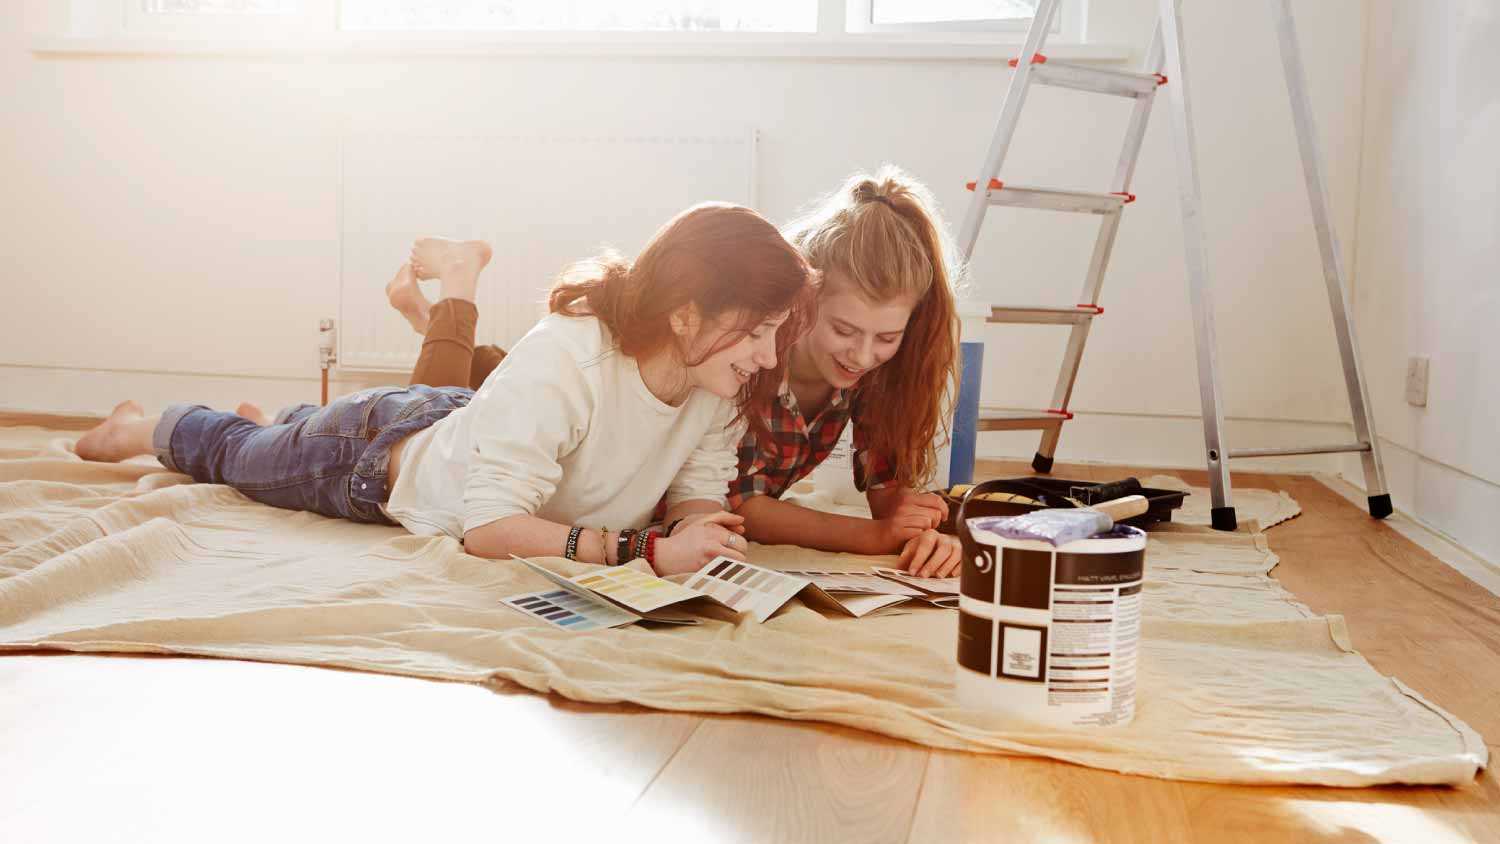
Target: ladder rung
point(1008, 419)
point(1054, 199)
point(1307, 449)
point(1116, 82)
point(1053, 316)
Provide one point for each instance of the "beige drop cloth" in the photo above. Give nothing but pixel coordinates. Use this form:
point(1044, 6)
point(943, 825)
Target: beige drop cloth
point(1239, 681)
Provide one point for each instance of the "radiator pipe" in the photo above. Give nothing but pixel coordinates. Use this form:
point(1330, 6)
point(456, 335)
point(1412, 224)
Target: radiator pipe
point(327, 357)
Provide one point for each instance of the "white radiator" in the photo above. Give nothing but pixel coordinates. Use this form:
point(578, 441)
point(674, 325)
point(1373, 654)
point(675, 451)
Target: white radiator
point(541, 200)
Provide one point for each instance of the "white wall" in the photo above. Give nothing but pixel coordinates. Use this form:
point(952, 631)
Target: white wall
point(169, 227)
point(1429, 258)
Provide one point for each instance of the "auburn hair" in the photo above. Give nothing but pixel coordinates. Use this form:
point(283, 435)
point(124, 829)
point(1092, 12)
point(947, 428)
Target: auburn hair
point(726, 260)
point(882, 233)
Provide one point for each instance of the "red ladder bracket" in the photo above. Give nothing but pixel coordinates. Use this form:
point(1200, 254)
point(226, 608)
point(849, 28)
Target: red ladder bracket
point(1063, 413)
point(1036, 59)
point(1095, 308)
point(1161, 79)
point(995, 184)
point(1129, 197)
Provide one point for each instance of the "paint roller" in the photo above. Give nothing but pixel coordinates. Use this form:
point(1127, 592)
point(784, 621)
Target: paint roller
point(1061, 526)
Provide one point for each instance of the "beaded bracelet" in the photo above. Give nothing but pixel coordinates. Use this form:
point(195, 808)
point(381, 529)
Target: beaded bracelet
point(651, 549)
point(638, 548)
point(571, 550)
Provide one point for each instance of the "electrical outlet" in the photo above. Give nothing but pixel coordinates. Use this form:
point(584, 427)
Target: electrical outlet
point(1416, 381)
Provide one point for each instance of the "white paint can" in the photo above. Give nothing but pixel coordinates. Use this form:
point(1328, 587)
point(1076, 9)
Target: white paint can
point(1050, 633)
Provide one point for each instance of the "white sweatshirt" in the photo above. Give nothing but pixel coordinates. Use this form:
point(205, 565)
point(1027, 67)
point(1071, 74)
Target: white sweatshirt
point(564, 429)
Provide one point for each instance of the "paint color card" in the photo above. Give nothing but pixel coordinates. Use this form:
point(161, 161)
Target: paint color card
point(854, 581)
point(861, 604)
point(635, 589)
point(929, 585)
point(746, 588)
point(570, 611)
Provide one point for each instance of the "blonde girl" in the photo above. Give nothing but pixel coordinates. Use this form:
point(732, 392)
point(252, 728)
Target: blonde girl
point(879, 356)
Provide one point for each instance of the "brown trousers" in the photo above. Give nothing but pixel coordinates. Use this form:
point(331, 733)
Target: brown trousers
point(449, 357)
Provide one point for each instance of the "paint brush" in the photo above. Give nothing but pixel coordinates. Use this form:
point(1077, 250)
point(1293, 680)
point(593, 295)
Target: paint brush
point(1061, 526)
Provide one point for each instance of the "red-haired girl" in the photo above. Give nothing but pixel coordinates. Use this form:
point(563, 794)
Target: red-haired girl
point(626, 394)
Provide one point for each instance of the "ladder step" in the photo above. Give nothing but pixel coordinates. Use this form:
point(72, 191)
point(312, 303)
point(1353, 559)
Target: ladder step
point(1008, 419)
point(1306, 449)
point(1115, 82)
point(1014, 314)
point(1055, 199)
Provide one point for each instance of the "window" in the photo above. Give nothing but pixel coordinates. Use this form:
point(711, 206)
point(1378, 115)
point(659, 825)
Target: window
point(938, 16)
point(923, 29)
point(1006, 13)
point(225, 18)
point(749, 16)
point(580, 15)
point(212, 7)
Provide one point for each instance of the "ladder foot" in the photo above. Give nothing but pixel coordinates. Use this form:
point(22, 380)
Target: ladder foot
point(1042, 464)
point(1380, 505)
point(1223, 518)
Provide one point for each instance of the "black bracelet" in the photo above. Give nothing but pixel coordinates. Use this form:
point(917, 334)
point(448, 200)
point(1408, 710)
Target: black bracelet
point(622, 547)
point(672, 527)
point(571, 551)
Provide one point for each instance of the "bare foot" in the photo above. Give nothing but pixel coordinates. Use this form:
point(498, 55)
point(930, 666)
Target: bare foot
point(253, 413)
point(118, 437)
point(406, 296)
point(456, 263)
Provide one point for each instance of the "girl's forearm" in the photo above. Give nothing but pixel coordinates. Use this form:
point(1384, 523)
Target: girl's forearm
point(527, 536)
point(773, 522)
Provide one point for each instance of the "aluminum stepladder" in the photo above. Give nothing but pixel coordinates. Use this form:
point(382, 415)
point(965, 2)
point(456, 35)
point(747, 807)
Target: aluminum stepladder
point(1166, 49)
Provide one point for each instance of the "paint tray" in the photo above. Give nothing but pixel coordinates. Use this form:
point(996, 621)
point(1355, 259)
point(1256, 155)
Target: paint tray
point(1055, 492)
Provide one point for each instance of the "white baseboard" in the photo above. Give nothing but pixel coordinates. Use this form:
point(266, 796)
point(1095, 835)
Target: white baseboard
point(1456, 505)
point(1435, 542)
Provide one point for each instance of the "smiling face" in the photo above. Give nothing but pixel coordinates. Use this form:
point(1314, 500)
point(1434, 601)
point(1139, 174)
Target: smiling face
point(726, 371)
point(852, 336)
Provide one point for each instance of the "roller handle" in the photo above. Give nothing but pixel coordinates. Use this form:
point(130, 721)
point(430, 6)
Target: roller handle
point(1107, 492)
point(1121, 509)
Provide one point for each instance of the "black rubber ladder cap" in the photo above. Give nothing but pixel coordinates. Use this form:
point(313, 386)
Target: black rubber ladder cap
point(1380, 505)
point(1042, 464)
point(1222, 518)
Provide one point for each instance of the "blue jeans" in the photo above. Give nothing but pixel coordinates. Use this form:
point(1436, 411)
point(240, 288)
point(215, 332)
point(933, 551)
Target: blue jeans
point(330, 460)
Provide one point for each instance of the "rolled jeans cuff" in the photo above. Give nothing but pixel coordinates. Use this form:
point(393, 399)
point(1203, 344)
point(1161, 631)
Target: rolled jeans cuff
point(161, 436)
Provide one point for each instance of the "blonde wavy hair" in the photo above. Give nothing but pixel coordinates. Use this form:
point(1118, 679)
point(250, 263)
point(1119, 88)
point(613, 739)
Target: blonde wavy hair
point(884, 234)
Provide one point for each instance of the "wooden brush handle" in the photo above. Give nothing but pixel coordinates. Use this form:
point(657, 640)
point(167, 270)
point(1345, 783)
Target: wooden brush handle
point(1121, 509)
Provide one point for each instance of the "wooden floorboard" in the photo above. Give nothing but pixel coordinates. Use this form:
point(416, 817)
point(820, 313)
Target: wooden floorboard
point(55, 421)
point(752, 780)
point(152, 749)
point(989, 798)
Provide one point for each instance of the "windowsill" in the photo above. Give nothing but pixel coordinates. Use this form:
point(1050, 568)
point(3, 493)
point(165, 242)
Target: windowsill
point(913, 47)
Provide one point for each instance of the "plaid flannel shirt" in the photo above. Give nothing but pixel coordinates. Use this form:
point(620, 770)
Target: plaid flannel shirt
point(798, 446)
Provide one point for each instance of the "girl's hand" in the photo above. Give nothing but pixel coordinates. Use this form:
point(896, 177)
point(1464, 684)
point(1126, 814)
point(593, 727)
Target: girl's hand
point(735, 522)
point(930, 501)
point(915, 514)
point(697, 540)
point(932, 554)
